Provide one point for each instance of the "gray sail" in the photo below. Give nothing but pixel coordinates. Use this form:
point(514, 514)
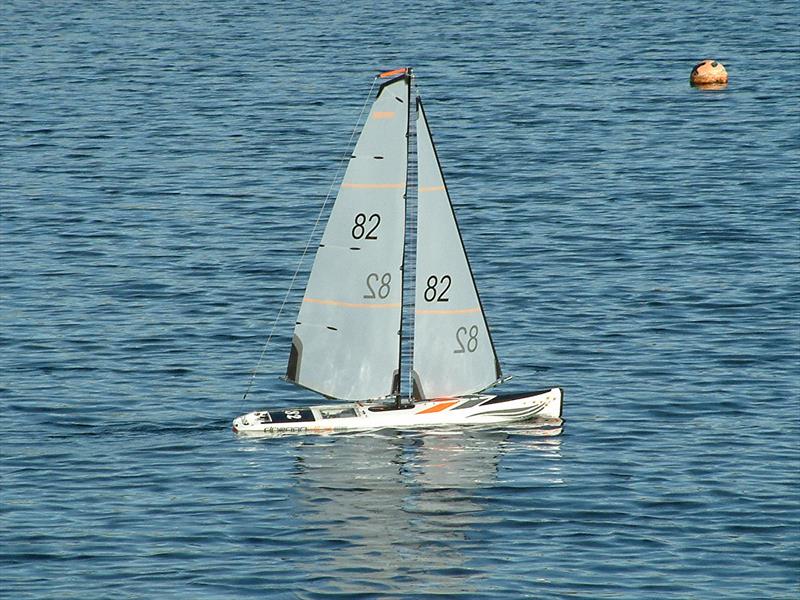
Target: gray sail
point(453, 350)
point(346, 341)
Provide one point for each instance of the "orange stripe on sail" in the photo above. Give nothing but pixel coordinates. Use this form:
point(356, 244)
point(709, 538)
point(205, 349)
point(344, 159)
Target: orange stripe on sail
point(351, 304)
point(432, 188)
point(438, 407)
point(374, 186)
point(445, 311)
point(383, 114)
point(392, 73)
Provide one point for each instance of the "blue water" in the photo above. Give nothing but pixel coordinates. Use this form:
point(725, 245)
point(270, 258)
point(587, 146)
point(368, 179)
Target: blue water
point(636, 241)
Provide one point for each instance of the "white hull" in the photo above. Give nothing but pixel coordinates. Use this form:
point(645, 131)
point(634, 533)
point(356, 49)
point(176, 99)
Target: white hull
point(479, 409)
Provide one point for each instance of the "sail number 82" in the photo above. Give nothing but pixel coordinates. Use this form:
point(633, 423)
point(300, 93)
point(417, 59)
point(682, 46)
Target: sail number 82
point(379, 286)
point(466, 339)
point(432, 292)
point(365, 227)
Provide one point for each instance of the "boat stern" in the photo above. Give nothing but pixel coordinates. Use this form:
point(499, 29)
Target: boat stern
point(552, 402)
point(555, 404)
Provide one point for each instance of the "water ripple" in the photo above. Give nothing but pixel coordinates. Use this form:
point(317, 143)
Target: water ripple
point(635, 241)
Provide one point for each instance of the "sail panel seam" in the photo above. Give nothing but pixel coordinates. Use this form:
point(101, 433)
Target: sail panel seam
point(373, 186)
point(350, 304)
point(447, 311)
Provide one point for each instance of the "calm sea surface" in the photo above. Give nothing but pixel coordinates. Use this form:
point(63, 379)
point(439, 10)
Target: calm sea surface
point(636, 241)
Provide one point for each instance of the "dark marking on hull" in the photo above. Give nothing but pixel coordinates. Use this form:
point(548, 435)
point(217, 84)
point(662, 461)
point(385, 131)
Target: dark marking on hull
point(469, 403)
point(523, 413)
point(292, 415)
point(509, 397)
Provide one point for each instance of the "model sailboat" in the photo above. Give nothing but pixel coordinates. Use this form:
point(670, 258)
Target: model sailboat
point(347, 342)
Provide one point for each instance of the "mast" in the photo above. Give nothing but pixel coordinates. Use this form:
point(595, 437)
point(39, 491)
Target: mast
point(397, 383)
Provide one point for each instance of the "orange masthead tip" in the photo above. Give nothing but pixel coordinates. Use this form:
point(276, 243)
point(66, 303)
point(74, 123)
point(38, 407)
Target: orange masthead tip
point(393, 72)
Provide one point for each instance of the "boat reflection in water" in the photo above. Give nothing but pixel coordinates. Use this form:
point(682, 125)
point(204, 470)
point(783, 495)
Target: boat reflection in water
point(390, 510)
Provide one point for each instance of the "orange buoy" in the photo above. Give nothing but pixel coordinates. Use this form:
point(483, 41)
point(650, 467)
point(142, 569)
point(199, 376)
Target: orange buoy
point(709, 72)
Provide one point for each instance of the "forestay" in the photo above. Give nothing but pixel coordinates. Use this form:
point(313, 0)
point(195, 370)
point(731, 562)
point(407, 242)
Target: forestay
point(453, 351)
point(346, 341)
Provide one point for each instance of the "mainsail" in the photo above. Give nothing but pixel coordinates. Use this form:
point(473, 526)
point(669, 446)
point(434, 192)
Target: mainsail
point(453, 350)
point(346, 341)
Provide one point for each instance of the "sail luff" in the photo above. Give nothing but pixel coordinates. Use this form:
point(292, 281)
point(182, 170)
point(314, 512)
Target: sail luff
point(453, 348)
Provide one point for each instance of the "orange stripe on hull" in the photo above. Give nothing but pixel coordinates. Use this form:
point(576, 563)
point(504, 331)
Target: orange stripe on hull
point(438, 407)
point(383, 114)
point(432, 188)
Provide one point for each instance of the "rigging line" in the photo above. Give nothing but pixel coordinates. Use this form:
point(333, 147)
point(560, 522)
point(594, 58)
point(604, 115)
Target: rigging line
point(345, 157)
